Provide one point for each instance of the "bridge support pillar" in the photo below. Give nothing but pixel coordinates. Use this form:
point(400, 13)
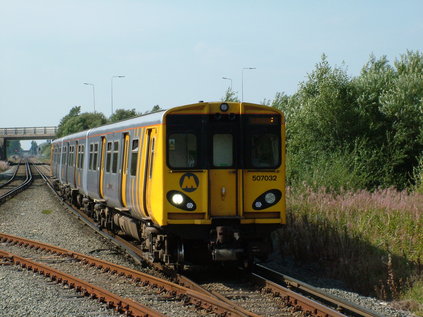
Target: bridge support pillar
point(2, 149)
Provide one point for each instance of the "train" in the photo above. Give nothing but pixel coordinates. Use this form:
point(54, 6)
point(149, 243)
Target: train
point(194, 184)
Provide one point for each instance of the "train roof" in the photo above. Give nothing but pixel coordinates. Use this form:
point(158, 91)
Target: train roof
point(143, 120)
point(158, 118)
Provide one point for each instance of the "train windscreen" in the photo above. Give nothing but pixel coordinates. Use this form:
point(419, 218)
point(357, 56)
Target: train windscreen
point(222, 142)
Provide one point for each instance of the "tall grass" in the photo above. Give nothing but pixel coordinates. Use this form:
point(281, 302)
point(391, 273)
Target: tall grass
point(371, 240)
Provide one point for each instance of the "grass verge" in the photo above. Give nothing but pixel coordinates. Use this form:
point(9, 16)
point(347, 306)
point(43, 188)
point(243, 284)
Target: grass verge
point(371, 241)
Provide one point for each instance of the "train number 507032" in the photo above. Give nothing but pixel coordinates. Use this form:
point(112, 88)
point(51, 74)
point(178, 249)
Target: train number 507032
point(267, 178)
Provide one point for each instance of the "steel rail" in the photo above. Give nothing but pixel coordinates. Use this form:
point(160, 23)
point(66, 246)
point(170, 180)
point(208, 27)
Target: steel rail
point(119, 304)
point(21, 187)
point(187, 282)
point(263, 273)
point(189, 296)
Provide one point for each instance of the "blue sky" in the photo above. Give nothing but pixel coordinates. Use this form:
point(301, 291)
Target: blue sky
point(176, 52)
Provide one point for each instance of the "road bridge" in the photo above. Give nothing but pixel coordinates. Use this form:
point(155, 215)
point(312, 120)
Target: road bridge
point(31, 133)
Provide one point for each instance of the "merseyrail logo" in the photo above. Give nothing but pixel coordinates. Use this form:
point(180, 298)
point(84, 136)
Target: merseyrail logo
point(189, 182)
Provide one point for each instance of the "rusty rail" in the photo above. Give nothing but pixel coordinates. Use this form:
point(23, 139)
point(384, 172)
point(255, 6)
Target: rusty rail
point(113, 301)
point(187, 282)
point(189, 296)
point(263, 275)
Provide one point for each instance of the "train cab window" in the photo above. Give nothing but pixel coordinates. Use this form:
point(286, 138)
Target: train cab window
point(115, 156)
point(182, 149)
point(222, 150)
point(263, 141)
point(265, 150)
point(134, 157)
point(108, 156)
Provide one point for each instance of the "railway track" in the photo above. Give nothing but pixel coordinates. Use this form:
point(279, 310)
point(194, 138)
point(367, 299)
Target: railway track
point(122, 305)
point(289, 289)
point(280, 295)
point(67, 260)
point(21, 179)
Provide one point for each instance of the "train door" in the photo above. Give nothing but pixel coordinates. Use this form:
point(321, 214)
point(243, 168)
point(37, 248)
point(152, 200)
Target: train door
point(124, 168)
point(102, 166)
point(150, 138)
point(223, 173)
point(65, 162)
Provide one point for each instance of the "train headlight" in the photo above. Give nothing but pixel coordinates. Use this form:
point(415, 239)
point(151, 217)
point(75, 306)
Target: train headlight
point(180, 200)
point(267, 199)
point(270, 198)
point(177, 199)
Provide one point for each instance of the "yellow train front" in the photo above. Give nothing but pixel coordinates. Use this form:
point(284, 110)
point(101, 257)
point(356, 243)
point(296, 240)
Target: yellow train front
point(193, 184)
point(223, 179)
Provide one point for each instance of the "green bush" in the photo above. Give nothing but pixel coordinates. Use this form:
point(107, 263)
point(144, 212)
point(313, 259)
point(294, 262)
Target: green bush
point(362, 132)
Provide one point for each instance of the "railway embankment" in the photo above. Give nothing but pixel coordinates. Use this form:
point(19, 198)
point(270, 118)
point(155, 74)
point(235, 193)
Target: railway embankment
point(371, 242)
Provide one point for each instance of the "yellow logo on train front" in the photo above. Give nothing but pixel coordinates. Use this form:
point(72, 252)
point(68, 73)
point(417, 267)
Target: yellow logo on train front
point(189, 182)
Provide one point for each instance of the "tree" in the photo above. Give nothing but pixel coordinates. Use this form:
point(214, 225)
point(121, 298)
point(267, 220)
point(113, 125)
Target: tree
point(230, 96)
point(75, 122)
point(13, 147)
point(45, 149)
point(367, 130)
point(154, 109)
point(34, 148)
point(74, 112)
point(122, 114)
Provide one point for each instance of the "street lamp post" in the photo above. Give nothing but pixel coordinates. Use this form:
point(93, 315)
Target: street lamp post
point(228, 79)
point(89, 84)
point(111, 89)
point(242, 81)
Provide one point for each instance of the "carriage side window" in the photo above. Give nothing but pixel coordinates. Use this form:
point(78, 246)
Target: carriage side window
point(223, 150)
point(109, 156)
point(115, 156)
point(182, 150)
point(134, 158)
